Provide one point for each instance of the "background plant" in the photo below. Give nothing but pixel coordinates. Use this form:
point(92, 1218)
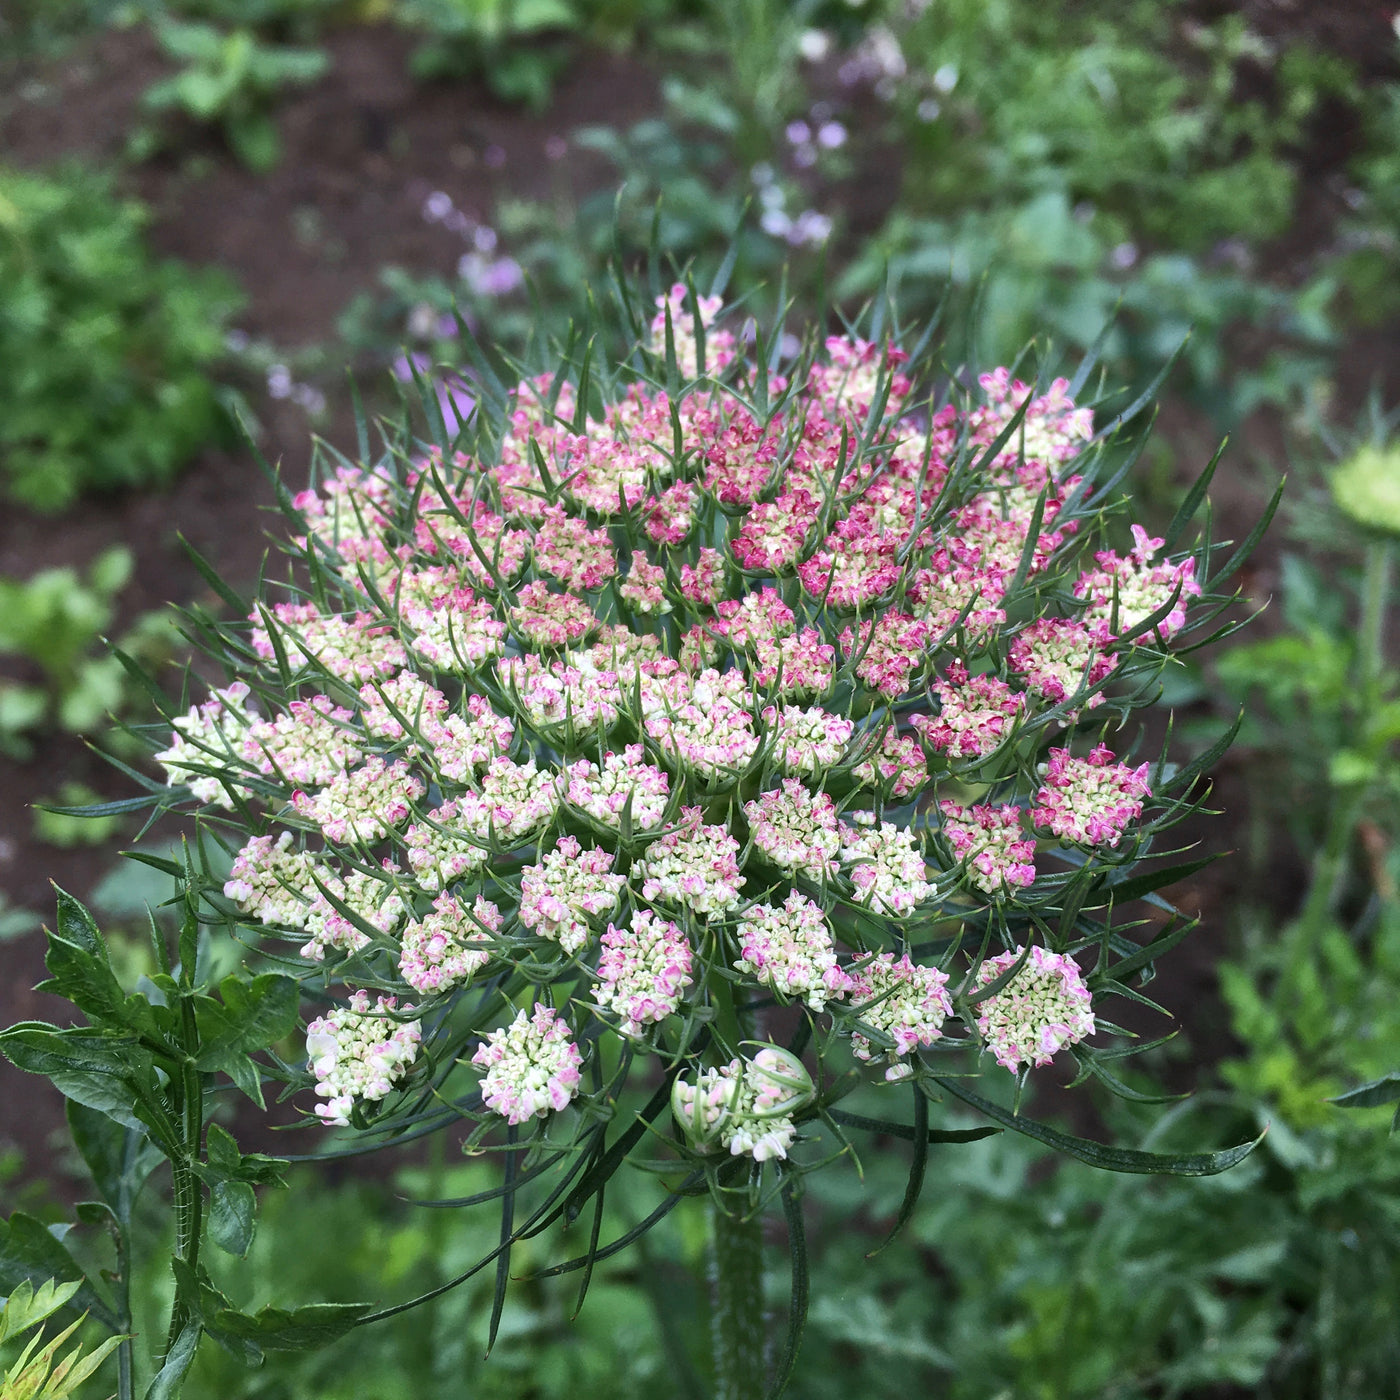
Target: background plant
point(56, 621)
point(107, 351)
point(231, 80)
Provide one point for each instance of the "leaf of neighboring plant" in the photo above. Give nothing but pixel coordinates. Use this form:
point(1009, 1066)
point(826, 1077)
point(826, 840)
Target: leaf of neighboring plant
point(29, 1251)
point(22, 707)
point(1113, 1159)
point(112, 1074)
point(120, 1158)
point(528, 16)
point(70, 1373)
point(27, 1307)
point(96, 690)
point(233, 1216)
point(227, 1163)
point(254, 1015)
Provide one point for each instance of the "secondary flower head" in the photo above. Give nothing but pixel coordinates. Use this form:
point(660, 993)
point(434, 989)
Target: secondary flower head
point(359, 1051)
point(643, 971)
point(1043, 1009)
point(532, 1065)
point(442, 949)
point(569, 887)
point(992, 841)
point(693, 867)
point(790, 949)
point(903, 1001)
point(1090, 801)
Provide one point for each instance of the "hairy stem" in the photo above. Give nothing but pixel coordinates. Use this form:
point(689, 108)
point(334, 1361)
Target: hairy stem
point(188, 1191)
point(736, 1287)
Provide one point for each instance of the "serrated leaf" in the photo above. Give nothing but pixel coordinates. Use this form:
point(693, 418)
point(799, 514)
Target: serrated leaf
point(299, 1329)
point(255, 1013)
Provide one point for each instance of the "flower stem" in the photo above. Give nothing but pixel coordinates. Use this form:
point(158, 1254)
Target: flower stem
point(1371, 639)
point(736, 1286)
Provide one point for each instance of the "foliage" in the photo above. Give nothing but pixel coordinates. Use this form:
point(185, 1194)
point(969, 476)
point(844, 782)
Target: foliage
point(40, 1373)
point(106, 350)
point(1063, 173)
point(231, 80)
point(483, 37)
point(1316, 1002)
point(56, 622)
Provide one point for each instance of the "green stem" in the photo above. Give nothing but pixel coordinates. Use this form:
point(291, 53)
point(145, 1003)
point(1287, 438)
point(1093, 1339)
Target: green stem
point(126, 1381)
point(1329, 866)
point(1374, 596)
point(736, 1319)
point(188, 1193)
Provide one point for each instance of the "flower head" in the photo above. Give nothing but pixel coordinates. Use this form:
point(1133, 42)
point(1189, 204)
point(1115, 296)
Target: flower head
point(1043, 1009)
point(532, 1066)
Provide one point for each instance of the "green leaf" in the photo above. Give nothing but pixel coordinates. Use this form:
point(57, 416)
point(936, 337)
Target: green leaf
point(119, 1157)
point(227, 1163)
point(233, 1208)
point(276, 1329)
point(1134, 887)
point(1373, 1095)
point(28, 1250)
point(915, 1185)
point(112, 1074)
point(26, 1308)
point(255, 140)
point(78, 926)
point(166, 1383)
point(1113, 1159)
point(797, 1306)
point(255, 1013)
point(903, 1130)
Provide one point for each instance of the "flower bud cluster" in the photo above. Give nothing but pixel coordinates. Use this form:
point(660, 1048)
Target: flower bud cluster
point(903, 1001)
point(1044, 1008)
point(745, 1106)
point(643, 970)
point(532, 1065)
point(568, 888)
point(1090, 801)
point(359, 1052)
